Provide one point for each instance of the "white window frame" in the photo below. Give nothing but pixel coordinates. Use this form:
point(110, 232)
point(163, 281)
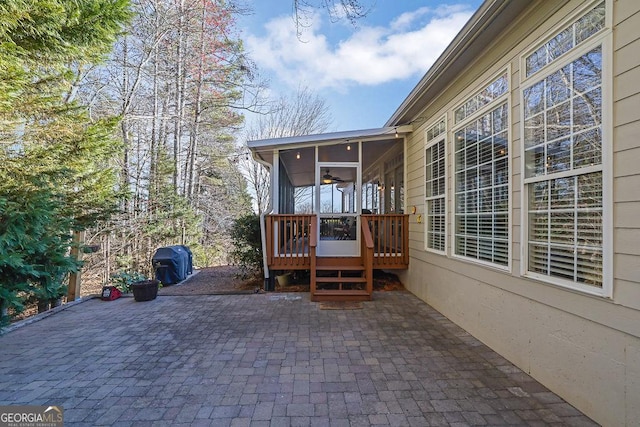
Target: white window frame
point(503, 99)
point(442, 137)
point(603, 39)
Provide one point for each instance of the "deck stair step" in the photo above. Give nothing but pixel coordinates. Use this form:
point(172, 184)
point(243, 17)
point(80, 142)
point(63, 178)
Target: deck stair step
point(338, 261)
point(340, 268)
point(340, 279)
point(341, 295)
point(321, 279)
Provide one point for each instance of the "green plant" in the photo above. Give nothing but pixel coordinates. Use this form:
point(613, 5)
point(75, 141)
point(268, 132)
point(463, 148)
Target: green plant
point(122, 279)
point(247, 242)
point(34, 245)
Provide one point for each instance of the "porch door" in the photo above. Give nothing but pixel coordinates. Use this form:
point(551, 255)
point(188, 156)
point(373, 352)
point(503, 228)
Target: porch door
point(338, 208)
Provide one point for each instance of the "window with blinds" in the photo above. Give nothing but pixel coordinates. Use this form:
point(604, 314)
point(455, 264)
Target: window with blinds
point(562, 145)
point(481, 161)
point(435, 188)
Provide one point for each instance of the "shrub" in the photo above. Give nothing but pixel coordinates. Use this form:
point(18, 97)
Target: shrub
point(34, 247)
point(247, 244)
point(122, 279)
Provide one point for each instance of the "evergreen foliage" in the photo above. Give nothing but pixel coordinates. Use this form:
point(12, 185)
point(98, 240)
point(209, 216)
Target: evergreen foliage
point(247, 244)
point(34, 244)
point(57, 173)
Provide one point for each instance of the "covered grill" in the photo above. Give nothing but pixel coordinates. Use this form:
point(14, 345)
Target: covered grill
point(172, 264)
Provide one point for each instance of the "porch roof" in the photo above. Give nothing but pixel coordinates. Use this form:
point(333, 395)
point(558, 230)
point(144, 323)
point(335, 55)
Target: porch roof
point(331, 137)
point(301, 170)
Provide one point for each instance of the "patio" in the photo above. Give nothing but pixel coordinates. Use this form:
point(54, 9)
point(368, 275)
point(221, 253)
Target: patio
point(267, 359)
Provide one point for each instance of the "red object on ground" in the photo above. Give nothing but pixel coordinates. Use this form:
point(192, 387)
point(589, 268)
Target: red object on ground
point(109, 293)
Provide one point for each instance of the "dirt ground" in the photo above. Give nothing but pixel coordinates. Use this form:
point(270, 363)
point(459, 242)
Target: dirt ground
point(226, 280)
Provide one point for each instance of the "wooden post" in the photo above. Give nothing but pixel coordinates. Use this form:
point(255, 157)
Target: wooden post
point(73, 290)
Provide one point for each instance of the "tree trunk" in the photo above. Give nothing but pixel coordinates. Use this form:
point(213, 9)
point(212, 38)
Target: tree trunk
point(123, 127)
point(179, 82)
point(197, 110)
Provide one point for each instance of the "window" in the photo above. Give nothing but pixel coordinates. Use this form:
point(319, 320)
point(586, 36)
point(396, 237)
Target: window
point(481, 161)
point(562, 142)
point(490, 93)
point(435, 187)
point(574, 35)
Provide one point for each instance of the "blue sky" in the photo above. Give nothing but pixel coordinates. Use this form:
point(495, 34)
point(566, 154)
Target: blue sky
point(362, 72)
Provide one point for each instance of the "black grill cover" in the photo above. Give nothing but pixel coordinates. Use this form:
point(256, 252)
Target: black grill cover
point(190, 261)
point(172, 264)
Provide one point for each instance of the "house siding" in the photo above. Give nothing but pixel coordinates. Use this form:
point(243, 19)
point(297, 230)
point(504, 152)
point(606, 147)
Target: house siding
point(583, 347)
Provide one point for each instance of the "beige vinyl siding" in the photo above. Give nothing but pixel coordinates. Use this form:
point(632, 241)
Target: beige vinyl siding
point(626, 107)
point(624, 10)
point(628, 24)
point(626, 57)
point(415, 193)
point(625, 137)
point(625, 80)
point(627, 268)
point(626, 162)
point(627, 153)
point(627, 241)
point(627, 188)
point(626, 214)
point(627, 290)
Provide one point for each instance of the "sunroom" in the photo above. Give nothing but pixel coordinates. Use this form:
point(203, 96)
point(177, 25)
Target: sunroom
point(337, 208)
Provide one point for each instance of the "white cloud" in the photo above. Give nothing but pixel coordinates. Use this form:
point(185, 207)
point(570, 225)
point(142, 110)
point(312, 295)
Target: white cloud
point(408, 46)
point(406, 19)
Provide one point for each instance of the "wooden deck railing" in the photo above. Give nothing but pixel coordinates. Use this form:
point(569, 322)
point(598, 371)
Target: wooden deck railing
point(366, 253)
point(289, 241)
point(390, 240)
point(292, 240)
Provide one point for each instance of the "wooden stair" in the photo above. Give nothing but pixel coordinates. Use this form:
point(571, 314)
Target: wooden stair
point(340, 279)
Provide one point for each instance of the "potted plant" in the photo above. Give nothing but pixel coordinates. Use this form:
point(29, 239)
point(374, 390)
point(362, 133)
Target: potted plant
point(143, 288)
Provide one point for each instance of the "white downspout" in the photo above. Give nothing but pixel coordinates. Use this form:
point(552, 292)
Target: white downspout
point(268, 210)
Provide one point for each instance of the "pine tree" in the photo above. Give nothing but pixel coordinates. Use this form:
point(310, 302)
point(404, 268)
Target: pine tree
point(56, 174)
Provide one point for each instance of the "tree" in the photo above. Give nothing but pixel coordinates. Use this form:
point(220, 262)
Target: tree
point(352, 10)
point(56, 175)
point(45, 46)
point(302, 113)
point(34, 242)
point(179, 79)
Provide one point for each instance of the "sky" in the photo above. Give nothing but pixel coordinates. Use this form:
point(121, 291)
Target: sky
point(363, 72)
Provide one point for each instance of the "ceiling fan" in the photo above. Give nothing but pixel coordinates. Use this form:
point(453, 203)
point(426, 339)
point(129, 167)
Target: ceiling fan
point(327, 178)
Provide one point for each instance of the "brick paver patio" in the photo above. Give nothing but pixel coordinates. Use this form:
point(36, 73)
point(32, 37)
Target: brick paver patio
point(267, 360)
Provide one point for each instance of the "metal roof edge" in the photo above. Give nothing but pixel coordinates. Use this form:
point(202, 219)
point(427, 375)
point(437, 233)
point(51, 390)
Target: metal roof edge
point(324, 137)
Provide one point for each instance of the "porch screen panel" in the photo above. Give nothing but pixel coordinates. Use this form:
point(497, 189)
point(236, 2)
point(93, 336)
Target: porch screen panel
point(563, 160)
point(482, 188)
point(435, 188)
